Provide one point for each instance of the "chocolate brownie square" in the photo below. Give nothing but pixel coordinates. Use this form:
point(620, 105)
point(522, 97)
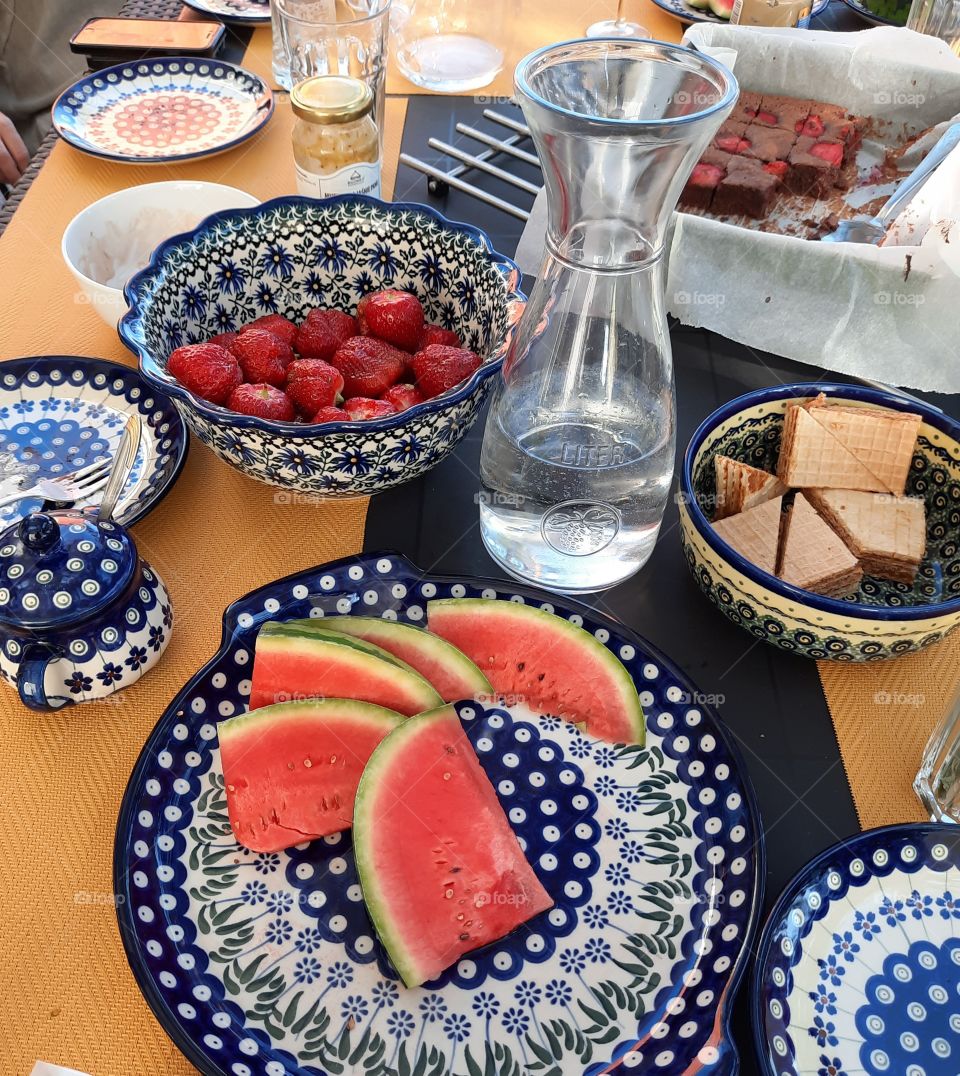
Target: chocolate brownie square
point(786, 113)
point(731, 138)
point(768, 143)
point(712, 155)
point(835, 124)
point(746, 108)
point(746, 191)
point(814, 166)
point(701, 186)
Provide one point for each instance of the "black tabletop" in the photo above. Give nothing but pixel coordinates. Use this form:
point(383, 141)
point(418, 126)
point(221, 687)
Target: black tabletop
point(772, 702)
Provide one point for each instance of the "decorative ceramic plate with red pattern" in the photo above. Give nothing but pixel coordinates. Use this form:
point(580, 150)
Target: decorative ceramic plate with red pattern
point(172, 108)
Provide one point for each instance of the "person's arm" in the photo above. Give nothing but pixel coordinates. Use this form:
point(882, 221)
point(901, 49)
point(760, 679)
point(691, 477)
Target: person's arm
point(13, 153)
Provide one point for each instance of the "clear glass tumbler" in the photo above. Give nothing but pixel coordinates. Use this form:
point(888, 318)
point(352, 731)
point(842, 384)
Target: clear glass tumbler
point(332, 37)
point(579, 445)
point(451, 46)
point(938, 18)
point(938, 782)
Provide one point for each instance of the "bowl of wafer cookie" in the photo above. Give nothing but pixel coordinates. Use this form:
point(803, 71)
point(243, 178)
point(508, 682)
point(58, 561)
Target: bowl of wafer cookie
point(825, 519)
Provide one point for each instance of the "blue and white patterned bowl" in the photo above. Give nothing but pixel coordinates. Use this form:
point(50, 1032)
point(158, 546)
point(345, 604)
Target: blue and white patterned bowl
point(859, 964)
point(883, 619)
point(267, 964)
point(288, 256)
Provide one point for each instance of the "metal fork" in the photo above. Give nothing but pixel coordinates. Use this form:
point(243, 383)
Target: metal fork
point(72, 487)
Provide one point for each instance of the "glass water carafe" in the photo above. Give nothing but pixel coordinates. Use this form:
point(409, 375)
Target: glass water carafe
point(579, 445)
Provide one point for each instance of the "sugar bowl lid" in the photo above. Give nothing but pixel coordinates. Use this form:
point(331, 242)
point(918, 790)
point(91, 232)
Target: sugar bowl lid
point(59, 567)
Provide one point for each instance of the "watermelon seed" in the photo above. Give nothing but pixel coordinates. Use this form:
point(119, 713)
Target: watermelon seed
point(450, 749)
point(449, 894)
point(289, 765)
point(307, 763)
point(541, 676)
point(460, 917)
point(456, 870)
point(446, 777)
point(521, 665)
point(231, 788)
point(464, 937)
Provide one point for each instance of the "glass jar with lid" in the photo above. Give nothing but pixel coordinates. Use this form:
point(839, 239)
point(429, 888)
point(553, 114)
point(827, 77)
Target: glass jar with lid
point(336, 145)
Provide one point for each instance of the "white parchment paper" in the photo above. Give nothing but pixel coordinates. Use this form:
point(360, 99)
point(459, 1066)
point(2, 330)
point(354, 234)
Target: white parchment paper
point(888, 313)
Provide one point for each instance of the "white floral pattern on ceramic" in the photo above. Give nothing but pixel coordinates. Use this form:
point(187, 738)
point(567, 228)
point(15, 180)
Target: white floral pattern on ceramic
point(262, 964)
point(164, 109)
point(859, 967)
point(288, 256)
point(60, 413)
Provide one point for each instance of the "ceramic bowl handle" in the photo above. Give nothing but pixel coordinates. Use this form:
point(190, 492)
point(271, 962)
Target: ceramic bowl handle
point(30, 676)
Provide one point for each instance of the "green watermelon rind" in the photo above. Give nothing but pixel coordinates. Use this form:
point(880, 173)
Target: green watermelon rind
point(303, 708)
point(591, 647)
point(370, 783)
point(409, 678)
point(438, 648)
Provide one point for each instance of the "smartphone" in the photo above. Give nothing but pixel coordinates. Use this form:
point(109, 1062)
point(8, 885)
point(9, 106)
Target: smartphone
point(107, 41)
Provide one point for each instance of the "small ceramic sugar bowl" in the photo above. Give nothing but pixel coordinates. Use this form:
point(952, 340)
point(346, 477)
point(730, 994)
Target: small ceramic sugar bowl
point(81, 615)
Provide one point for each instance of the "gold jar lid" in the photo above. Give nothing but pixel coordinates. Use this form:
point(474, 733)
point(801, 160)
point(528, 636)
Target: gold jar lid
point(331, 99)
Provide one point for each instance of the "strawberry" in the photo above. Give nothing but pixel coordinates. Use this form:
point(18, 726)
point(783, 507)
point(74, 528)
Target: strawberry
point(831, 152)
point(312, 384)
point(776, 168)
point(264, 401)
point(731, 143)
point(369, 366)
point(331, 414)
point(224, 340)
point(281, 327)
point(323, 332)
point(402, 396)
point(392, 315)
point(263, 357)
point(207, 370)
point(812, 126)
point(434, 334)
point(438, 368)
point(361, 408)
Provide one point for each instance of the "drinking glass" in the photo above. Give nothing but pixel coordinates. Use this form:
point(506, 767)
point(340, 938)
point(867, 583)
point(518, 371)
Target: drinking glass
point(939, 18)
point(332, 37)
point(618, 27)
point(938, 782)
point(451, 46)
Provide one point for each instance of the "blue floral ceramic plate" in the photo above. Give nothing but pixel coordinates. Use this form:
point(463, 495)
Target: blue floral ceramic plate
point(170, 108)
point(267, 964)
point(859, 966)
point(60, 412)
point(688, 14)
point(248, 12)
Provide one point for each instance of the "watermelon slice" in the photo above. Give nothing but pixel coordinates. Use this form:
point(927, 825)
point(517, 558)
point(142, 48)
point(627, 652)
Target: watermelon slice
point(296, 662)
point(540, 659)
point(291, 771)
point(450, 671)
point(440, 868)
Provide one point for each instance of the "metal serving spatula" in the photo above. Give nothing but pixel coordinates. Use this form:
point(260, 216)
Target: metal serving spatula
point(873, 229)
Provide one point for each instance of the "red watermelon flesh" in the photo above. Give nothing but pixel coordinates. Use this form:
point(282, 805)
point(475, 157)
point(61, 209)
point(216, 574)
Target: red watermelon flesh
point(294, 662)
point(291, 771)
point(545, 662)
point(451, 672)
point(440, 868)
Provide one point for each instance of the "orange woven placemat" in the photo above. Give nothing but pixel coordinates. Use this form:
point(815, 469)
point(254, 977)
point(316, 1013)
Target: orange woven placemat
point(883, 713)
point(66, 993)
point(528, 25)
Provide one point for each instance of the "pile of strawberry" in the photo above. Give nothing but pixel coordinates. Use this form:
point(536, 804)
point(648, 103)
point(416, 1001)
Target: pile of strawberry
point(332, 368)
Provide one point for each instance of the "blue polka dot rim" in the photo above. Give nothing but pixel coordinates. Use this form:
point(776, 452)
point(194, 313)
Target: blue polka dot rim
point(859, 963)
point(268, 964)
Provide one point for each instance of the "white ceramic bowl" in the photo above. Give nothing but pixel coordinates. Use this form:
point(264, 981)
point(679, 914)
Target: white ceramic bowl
point(110, 240)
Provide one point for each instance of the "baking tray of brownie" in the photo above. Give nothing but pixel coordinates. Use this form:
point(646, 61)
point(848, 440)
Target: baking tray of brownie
point(823, 129)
